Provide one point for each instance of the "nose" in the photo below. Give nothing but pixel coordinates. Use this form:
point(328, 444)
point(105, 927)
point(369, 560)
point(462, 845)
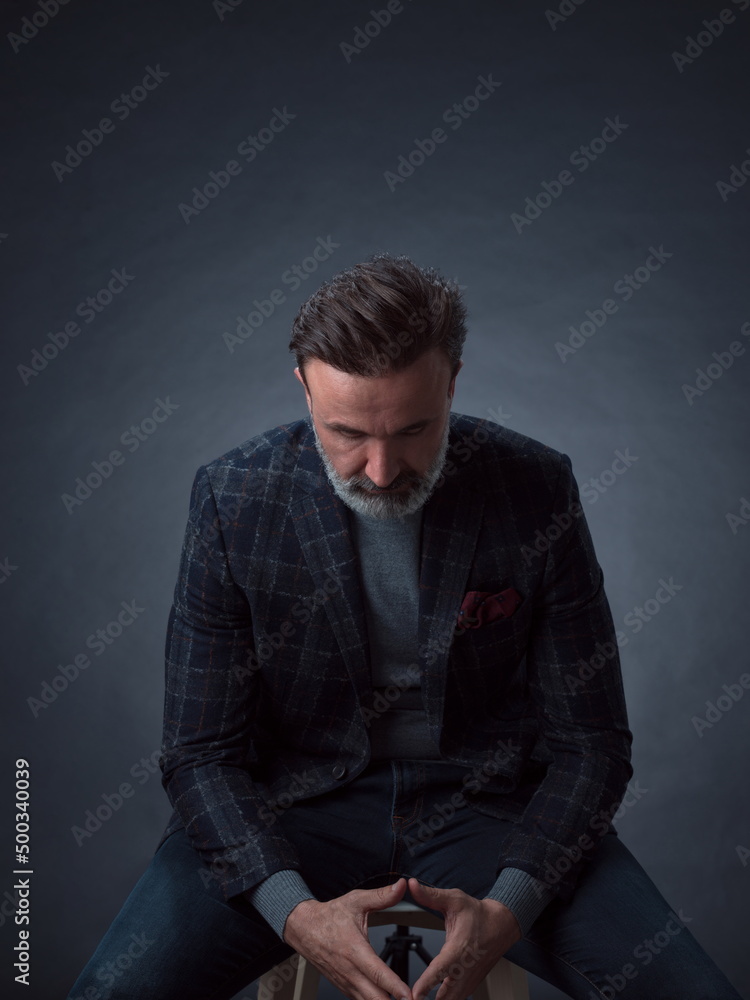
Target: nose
point(382, 463)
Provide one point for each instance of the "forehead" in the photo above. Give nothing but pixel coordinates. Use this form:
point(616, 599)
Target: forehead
point(338, 395)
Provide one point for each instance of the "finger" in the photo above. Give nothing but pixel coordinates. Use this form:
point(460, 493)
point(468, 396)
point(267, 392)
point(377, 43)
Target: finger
point(429, 895)
point(350, 980)
point(435, 973)
point(455, 983)
point(451, 989)
point(357, 971)
point(378, 899)
point(380, 974)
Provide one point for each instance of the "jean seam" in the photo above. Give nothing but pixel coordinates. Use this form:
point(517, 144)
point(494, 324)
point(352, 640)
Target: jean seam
point(394, 795)
point(418, 797)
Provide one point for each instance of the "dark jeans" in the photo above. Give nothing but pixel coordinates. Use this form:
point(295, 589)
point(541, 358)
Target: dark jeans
point(175, 937)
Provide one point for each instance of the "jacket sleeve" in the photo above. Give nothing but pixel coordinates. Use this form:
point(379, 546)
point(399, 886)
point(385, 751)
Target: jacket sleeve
point(574, 678)
point(210, 708)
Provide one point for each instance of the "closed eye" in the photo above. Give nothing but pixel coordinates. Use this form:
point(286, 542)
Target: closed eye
point(408, 432)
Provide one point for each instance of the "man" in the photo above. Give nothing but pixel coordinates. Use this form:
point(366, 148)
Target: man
point(391, 668)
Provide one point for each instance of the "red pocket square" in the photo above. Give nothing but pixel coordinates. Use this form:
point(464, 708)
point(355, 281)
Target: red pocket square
point(482, 608)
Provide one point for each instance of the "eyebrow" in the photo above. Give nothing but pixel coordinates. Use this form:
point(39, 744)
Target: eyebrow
point(355, 430)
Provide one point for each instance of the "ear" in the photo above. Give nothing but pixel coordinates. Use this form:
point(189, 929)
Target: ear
point(301, 380)
point(452, 383)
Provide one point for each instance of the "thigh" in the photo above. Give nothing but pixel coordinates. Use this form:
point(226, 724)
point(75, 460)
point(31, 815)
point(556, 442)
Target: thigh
point(176, 937)
point(617, 936)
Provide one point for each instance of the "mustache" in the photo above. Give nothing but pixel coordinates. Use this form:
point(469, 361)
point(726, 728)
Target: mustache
point(365, 483)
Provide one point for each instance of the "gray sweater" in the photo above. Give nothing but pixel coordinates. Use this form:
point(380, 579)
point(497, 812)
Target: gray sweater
point(389, 559)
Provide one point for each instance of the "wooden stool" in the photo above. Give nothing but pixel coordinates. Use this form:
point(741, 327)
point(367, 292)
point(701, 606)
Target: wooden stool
point(297, 979)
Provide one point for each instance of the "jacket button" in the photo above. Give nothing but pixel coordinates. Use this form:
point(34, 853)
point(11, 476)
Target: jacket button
point(338, 771)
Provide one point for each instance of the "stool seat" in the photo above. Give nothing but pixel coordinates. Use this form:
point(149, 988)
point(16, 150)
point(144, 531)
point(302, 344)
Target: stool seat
point(297, 979)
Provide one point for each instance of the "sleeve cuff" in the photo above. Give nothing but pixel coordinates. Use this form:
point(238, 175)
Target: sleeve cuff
point(524, 895)
point(276, 896)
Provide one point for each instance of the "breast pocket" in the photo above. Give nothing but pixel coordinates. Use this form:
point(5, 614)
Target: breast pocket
point(507, 631)
point(503, 640)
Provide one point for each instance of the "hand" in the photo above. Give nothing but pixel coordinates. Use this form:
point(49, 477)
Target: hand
point(333, 936)
point(477, 933)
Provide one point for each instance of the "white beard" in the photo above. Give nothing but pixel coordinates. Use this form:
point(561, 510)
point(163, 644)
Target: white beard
point(386, 504)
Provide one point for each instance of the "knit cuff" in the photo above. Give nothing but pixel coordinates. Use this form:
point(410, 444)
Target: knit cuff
point(276, 896)
point(524, 895)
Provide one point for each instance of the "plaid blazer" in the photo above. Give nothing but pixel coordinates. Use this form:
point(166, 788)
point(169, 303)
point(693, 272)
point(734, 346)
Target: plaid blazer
point(268, 693)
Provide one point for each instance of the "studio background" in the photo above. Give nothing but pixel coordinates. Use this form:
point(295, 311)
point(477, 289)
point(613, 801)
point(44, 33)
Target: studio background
point(318, 191)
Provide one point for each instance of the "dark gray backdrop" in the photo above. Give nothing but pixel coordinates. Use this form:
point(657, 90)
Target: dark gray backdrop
point(339, 123)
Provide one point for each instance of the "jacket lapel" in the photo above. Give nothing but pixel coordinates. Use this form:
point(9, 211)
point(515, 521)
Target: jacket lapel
point(450, 527)
point(322, 525)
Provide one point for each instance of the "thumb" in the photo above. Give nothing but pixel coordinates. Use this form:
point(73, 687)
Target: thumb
point(427, 895)
point(386, 895)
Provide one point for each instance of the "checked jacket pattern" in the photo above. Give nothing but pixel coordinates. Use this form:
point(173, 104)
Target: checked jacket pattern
point(267, 672)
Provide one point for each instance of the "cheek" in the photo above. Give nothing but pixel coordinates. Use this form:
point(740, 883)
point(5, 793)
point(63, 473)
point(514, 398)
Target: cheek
point(420, 455)
point(346, 460)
